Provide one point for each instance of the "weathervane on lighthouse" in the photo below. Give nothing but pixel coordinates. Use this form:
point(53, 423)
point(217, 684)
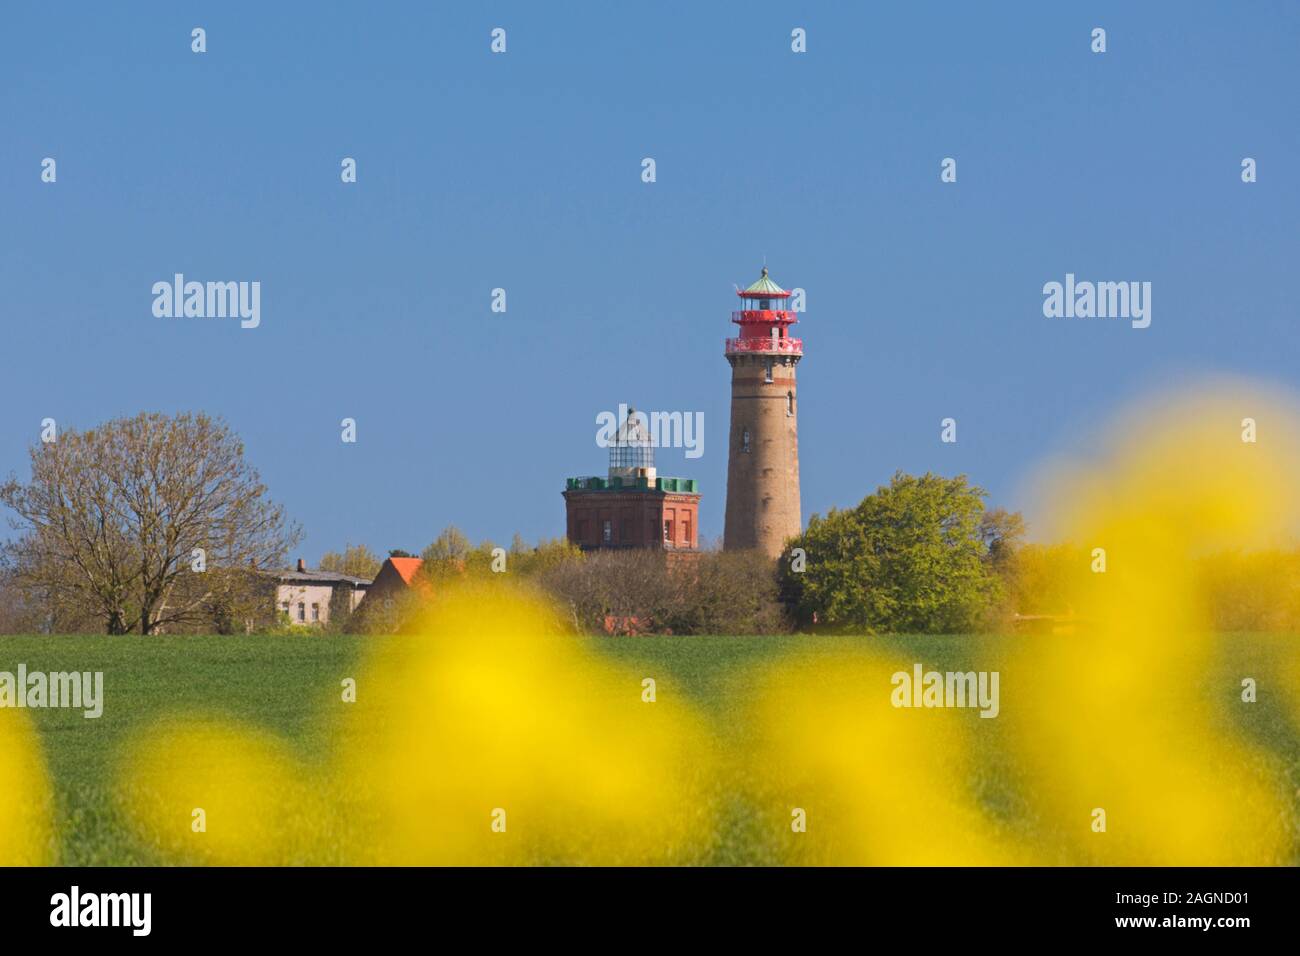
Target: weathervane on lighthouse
point(763, 509)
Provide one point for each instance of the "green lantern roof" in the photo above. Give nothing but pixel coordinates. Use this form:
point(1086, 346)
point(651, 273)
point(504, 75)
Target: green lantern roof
point(764, 286)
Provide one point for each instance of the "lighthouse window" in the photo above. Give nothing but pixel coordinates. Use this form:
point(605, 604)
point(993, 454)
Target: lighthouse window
point(744, 441)
point(767, 373)
point(789, 403)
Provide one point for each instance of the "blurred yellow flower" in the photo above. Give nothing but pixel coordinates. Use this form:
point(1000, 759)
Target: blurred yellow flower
point(1123, 717)
point(487, 736)
point(879, 785)
point(25, 797)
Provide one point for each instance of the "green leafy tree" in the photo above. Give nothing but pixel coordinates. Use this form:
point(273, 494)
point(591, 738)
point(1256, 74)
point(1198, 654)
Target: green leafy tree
point(451, 554)
point(1002, 533)
point(914, 557)
point(549, 553)
point(478, 561)
point(356, 560)
point(451, 545)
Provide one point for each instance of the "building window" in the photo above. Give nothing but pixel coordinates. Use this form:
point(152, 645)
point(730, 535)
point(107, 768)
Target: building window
point(315, 612)
point(668, 532)
point(767, 373)
point(744, 441)
point(302, 611)
point(686, 532)
point(789, 403)
point(284, 608)
point(608, 532)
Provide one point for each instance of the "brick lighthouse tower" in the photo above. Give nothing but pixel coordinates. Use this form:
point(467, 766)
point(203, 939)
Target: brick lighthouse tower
point(763, 453)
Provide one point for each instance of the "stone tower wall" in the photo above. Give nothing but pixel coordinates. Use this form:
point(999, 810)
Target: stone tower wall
point(763, 508)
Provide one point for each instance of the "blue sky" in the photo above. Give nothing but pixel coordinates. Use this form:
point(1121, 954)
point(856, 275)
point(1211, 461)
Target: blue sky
point(522, 171)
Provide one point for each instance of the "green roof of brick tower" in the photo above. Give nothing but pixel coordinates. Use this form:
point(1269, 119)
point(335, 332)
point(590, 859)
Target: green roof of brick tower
point(764, 286)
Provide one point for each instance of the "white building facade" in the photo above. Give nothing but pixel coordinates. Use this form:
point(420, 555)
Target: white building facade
point(305, 597)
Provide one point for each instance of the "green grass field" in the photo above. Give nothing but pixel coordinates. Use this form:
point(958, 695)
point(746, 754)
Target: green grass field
point(278, 683)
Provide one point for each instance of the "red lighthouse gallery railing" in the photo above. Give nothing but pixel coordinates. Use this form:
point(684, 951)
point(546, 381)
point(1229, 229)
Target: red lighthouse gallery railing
point(765, 344)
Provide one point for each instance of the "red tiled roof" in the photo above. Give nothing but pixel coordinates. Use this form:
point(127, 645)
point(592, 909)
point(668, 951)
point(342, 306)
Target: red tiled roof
point(406, 567)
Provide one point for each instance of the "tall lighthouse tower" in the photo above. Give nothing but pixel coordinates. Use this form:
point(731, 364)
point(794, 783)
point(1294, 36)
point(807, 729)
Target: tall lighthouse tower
point(763, 453)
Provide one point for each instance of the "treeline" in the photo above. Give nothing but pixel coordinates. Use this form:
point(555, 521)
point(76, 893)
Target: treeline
point(923, 555)
point(157, 524)
point(602, 592)
point(1234, 590)
point(920, 555)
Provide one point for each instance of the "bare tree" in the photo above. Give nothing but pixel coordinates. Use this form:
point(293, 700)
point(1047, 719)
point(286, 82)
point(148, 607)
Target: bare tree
point(147, 522)
point(19, 614)
point(709, 592)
